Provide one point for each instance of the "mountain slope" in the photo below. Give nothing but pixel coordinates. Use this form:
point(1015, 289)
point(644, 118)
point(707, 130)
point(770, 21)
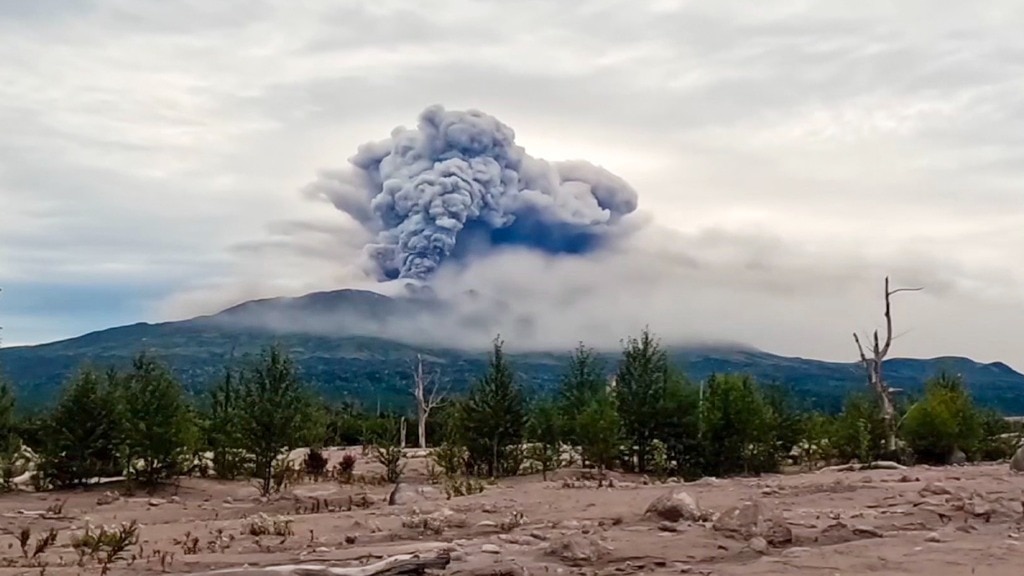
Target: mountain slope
point(369, 369)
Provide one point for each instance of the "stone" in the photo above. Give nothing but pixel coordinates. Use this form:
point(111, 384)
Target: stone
point(758, 544)
point(957, 457)
point(490, 549)
point(404, 494)
point(674, 506)
point(934, 538)
point(754, 518)
point(1017, 462)
point(576, 549)
point(666, 526)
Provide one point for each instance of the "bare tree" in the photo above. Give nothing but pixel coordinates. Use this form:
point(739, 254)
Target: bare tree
point(429, 395)
point(873, 366)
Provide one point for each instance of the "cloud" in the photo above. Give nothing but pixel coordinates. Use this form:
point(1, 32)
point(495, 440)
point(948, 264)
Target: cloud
point(788, 157)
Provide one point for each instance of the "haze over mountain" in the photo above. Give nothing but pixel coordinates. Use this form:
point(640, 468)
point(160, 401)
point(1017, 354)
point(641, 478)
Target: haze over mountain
point(342, 361)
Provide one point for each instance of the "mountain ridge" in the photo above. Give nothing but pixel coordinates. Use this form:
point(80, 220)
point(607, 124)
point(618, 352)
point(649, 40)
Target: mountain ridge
point(342, 359)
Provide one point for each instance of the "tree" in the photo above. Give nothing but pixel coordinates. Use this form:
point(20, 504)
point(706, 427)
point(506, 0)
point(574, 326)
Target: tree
point(429, 395)
point(273, 404)
point(679, 425)
point(639, 392)
point(9, 442)
point(873, 367)
point(859, 431)
point(223, 428)
point(159, 427)
point(599, 431)
point(737, 433)
point(84, 436)
point(582, 382)
point(544, 431)
point(493, 418)
point(944, 420)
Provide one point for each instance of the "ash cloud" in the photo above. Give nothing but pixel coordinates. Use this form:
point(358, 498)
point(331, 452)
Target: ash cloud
point(458, 187)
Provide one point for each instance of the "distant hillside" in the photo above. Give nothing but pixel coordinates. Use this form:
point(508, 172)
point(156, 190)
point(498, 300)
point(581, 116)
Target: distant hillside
point(373, 370)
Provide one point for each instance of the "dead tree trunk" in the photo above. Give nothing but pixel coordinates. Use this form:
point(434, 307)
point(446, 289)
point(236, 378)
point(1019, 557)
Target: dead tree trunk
point(872, 360)
point(428, 394)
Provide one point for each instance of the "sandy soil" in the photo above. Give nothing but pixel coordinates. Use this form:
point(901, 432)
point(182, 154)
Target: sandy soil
point(935, 521)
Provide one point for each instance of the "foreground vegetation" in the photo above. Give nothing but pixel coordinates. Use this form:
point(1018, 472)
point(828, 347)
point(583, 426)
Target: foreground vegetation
point(649, 418)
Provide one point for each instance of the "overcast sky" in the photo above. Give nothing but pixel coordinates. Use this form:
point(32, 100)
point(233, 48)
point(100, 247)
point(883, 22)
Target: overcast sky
point(789, 156)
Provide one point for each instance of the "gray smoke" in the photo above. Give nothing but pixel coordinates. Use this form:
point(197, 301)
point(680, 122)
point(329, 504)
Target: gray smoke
point(458, 186)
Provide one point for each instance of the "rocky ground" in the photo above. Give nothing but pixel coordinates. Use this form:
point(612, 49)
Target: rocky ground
point(935, 521)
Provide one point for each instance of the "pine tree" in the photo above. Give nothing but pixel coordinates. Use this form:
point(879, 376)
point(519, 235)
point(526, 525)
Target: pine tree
point(582, 382)
point(223, 428)
point(639, 392)
point(9, 442)
point(273, 405)
point(159, 427)
point(494, 418)
point(84, 436)
point(599, 431)
point(544, 430)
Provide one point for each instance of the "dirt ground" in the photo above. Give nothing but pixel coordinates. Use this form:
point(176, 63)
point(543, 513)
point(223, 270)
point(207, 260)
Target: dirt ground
point(923, 520)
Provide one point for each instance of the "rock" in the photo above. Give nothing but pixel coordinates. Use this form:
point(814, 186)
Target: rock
point(957, 457)
point(229, 500)
point(934, 538)
point(108, 498)
point(934, 488)
point(174, 500)
point(758, 544)
point(490, 549)
point(754, 518)
point(404, 494)
point(156, 502)
point(576, 549)
point(675, 505)
point(666, 526)
point(868, 531)
point(795, 551)
point(1017, 462)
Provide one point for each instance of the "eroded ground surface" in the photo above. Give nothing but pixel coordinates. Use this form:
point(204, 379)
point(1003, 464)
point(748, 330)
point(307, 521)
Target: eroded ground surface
point(934, 521)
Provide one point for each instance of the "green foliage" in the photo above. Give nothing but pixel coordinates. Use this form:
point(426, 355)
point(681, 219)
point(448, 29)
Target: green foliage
point(544, 430)
point(583, 381)
point(493, 419)
point(9, 442)
point(639, 392)
point(273, 404)
point(84, 437)
point(944, 420)
point(859, 430)
point(738, 428)
point(387, 450)
point(679, 426)
point(599, 431)
point(223, 429)
point(159, 429)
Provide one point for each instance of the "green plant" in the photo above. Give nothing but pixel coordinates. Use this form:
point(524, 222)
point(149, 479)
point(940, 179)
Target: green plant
point(106, 546)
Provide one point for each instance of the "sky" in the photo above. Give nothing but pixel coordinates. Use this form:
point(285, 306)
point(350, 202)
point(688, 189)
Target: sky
point(786, 157)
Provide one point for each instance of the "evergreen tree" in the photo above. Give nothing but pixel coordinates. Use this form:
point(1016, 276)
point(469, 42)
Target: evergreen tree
point(944, 420)
point(679, 425)
point(273, 404)
point(599, 431)
point(223, 428)
point(493, 418)
point(9, 442)
point(159, 427)
point(84, 436)
point(736, 428)
point(582, 382)
point(544, 431)
point(639, 392)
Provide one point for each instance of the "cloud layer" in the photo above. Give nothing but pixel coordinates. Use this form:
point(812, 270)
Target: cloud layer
point(787, 158)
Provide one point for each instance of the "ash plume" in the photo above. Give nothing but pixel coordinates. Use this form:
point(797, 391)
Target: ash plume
point(458, 186)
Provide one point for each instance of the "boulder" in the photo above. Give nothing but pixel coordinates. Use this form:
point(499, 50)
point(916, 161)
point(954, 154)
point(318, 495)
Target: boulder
point(675, 505)
point(957, 457)
point(1017, 462)
point(404, 494)
point(751, 519)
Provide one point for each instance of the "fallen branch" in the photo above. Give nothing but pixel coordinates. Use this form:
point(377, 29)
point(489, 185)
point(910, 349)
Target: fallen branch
point(401, 565)
point(878, 465)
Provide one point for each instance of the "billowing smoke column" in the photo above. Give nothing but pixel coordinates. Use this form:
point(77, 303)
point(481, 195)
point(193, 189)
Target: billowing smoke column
point(459, 185)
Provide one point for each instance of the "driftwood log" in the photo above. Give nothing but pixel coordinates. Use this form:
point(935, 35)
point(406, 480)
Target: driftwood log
point(401, 565)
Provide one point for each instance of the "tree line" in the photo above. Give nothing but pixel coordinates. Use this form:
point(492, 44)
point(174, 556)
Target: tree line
point(647, 418)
